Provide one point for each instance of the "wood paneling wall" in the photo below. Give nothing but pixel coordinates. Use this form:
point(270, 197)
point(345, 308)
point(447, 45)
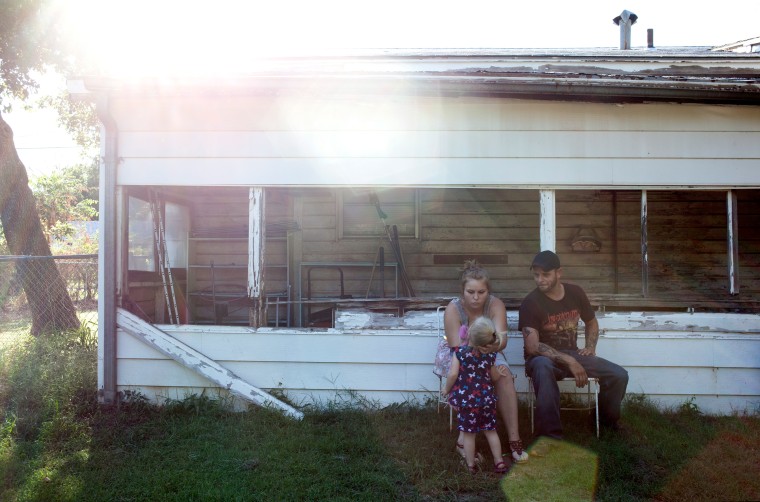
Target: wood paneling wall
point(686, 234)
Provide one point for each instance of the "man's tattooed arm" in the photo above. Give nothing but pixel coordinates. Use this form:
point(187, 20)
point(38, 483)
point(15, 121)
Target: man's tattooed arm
point(535, 348)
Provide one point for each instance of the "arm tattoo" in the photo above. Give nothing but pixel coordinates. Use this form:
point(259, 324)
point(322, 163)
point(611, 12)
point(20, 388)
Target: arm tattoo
point(549, 352)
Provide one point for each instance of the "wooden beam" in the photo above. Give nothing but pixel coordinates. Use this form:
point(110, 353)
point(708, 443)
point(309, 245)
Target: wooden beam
point(644, 247)
point(733, 242)
point(197, 362)
point(256, 249)
point(548, 220)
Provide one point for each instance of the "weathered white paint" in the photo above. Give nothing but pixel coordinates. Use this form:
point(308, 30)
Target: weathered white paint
point(197, 363)
point(717, 362)
point(644, 246)
point(548, 230)
point(256, 248)
point(732, 241)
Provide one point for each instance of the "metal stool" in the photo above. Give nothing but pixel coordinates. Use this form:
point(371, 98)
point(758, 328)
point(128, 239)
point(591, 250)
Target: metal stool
point(575, 392)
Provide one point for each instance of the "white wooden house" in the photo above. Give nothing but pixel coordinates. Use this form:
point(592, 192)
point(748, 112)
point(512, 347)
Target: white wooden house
point(277, 189)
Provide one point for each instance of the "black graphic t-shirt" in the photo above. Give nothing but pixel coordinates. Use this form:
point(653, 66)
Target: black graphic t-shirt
point(556, 321)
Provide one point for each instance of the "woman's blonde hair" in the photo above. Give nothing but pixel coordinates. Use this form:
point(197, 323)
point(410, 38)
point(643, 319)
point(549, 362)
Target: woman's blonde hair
point(482, 331)
point(473, 271)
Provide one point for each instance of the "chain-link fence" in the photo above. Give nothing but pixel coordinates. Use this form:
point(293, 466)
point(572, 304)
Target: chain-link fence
point(41, 291)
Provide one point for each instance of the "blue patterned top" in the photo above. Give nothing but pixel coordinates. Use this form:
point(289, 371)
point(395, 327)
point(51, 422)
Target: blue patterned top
point(473, 387)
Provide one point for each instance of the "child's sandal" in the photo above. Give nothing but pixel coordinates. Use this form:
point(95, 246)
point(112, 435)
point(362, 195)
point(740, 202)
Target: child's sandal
point(500, 468)
point(478, 456)
point(519, 455)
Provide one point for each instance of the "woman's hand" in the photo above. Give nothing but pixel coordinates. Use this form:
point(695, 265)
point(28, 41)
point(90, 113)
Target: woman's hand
point(503, 370)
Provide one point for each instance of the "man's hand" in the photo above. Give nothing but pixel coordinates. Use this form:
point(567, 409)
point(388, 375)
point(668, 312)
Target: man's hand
point(587, 351)
point(581, 378)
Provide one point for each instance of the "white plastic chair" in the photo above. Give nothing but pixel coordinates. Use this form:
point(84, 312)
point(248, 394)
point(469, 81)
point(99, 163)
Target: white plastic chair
point(586, 400)
point(442, 401)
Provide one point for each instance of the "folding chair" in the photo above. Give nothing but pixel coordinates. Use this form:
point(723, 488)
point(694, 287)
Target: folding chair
point(586, 401)
point(442, 401)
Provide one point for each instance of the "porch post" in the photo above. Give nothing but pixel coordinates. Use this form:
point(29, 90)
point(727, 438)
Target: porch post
point(107, 267)
point(733, 242)
point(548, 229)
point(644, 245)
point(256, 243)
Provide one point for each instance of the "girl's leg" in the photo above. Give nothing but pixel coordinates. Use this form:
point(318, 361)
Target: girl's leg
point(495, 444)
point(469, 449)
point(460, 444)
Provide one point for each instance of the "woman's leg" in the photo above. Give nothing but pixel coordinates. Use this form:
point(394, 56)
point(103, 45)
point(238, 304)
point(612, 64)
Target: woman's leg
point(505, 390)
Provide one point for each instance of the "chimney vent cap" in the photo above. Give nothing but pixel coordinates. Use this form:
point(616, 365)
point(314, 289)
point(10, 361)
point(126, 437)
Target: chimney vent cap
point(625, 16)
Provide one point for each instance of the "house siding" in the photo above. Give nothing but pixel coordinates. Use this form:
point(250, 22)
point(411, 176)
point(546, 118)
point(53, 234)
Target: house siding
point(425, 141)
point(671, 358)
point(480, 164)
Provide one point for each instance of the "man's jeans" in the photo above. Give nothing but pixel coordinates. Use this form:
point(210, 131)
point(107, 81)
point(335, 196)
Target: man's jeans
point(613, 381)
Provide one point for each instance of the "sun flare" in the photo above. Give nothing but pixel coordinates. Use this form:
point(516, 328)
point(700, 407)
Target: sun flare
point(189, 38)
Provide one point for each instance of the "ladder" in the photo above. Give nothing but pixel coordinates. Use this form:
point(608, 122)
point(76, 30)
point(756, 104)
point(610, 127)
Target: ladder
point(164, 268)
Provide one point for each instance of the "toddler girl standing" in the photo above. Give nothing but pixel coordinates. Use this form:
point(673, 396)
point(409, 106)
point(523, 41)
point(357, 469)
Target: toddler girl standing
point(470, 388)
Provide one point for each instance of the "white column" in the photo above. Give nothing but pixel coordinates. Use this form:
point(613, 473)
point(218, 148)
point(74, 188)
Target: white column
point(256, 242)
point(733, 242)
point(548, 229)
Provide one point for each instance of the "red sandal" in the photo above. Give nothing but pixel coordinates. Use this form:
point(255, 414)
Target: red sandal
point(519, 455)
point(500, 468)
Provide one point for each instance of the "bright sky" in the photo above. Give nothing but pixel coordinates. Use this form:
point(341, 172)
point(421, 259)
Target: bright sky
point(165, 36)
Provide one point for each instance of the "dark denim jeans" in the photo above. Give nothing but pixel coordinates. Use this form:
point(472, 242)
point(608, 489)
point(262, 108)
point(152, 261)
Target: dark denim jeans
point(613, 381)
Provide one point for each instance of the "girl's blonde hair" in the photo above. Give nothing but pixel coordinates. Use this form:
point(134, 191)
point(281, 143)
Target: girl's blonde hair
point(472, 270)
point(482, 332)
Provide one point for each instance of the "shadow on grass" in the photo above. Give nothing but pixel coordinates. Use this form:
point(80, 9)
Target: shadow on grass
point(558, 470)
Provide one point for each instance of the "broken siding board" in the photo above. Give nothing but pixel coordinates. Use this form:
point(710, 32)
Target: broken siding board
point(198, 363)
point(711, 322)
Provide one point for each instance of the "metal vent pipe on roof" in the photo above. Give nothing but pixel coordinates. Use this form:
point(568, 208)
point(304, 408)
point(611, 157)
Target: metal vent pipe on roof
point(625, 20)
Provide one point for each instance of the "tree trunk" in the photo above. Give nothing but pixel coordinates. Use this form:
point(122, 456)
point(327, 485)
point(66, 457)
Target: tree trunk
point(49, 301)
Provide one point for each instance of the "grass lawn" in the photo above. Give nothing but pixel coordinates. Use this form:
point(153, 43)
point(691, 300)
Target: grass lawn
point(57, 444)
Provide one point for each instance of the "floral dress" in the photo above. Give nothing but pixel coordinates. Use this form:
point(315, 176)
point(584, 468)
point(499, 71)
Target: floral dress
point(473, 392)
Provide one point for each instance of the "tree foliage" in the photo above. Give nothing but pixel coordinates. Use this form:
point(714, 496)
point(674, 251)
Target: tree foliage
point(30, 42)
point(63, 196)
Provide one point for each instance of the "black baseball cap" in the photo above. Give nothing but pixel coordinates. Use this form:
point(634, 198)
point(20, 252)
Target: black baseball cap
point(546, 260)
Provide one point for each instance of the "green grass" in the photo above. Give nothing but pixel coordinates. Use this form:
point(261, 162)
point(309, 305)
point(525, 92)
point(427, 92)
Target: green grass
point(56, 443)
